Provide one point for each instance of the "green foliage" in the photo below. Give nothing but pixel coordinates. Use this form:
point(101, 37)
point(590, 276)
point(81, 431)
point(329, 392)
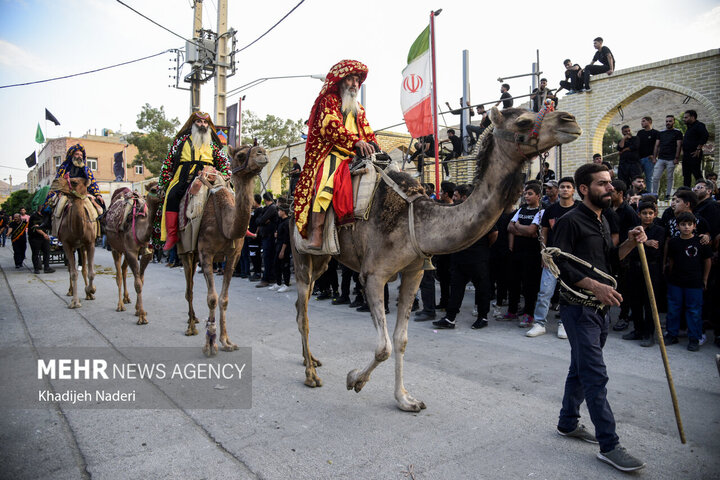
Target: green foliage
point(154, 138)
point(271, 131)
point(19, 199)
point(610, 140)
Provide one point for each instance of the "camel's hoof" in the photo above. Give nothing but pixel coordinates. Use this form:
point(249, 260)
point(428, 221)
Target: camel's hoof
point(354, 382)
point(210, 350)
point(313, 381)
point(75, 305)
point(191, 330)
point(69, 293)
point(230, 347)
point(93, 289)
point(89, 296)
point(120, 308)
point(142, 320)
point(409, 404)
point(126, 300)
point(315, 362)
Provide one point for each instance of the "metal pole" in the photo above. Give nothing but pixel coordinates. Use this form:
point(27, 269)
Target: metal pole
point(221, 59)
point(434, 104)
point(465, 118)
point(195, 79)
point(658, 333)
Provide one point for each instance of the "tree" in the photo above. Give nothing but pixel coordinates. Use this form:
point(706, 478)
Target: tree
point(19, 199)
point(154, 138)
point(610, 140)
point(272, 131)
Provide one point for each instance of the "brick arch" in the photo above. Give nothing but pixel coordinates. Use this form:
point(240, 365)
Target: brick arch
point(275, 176)
point(636, 91)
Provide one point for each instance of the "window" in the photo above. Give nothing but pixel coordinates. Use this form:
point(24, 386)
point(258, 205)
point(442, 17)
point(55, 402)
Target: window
point(92, 163)
point(139, 170)
point(58, 160)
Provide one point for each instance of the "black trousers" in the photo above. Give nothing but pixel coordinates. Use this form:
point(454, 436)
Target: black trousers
point(19, 247)
point(282, 266)
point(442, 265)
point(427, 291)
point(329, 279)
point(255, 255)
point(691, 167)
point(460, 274)
point(575, 83)
point(268, 258)
point(627, 170)
point(174, 196)
point(347, 275)
point(637, 297)
point(592, 70)
point(525, 273)
point(40, 246)
point(500, 276)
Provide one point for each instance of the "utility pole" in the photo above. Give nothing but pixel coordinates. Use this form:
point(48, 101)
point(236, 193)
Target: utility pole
point(221, 59)
point(196, 74)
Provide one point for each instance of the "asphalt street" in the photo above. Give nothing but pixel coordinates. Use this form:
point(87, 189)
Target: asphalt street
point(492, 395)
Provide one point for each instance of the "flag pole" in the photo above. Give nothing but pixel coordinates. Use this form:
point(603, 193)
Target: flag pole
point(433, 14)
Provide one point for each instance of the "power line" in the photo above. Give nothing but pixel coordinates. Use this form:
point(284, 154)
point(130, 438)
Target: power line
point(85, 73)
point(268, 31)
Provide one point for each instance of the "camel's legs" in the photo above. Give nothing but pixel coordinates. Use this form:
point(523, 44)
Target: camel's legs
point(139, 310)
point(72, 269)
point(230, 262)
point(82, 259)
point(126, 295)
point(307, 269)
point(90, 260)
point(408, 286)
point(132, 261)
point(374, 287)
point(210, 347)
point(117, 258)
point(189, 265)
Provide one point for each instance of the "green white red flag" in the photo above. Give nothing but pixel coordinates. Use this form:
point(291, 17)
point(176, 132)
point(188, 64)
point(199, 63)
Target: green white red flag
point(416, 88)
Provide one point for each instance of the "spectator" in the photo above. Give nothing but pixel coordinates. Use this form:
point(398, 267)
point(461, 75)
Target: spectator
point(500, 259)
point(294, 175)
point(707, 208)
point(525, 247)
point(667, 155)
point(455, 153)
point(548, 282)
point(540, 94)
point(551, 193)
point(685, 200)
point(641, 313)
point(628, 166)
point(459, 111)
point(253, 243)
point(267, 223)
point(424, 148)
point(573, 82)
point(688, 267)
point(282, 250)
point(627, 220)
point(597, 158)
point(442, 262)
point(696, 136)
point(39, 238)
point(647, 136)
point(474, 131)
point(17, 230)
point(505, 97)
point(606, 59)
point(545, 175)
point(712, 176)
point(327, 284)
point(346, 277)
point(636, 191)
point(4, 221)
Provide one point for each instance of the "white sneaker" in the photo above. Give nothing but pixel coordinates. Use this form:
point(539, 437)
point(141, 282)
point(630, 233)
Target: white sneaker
point(274, 286)
point(283, 289)
point(702, 340)
point(561, 331)
point(536, 331)
point(475, 312)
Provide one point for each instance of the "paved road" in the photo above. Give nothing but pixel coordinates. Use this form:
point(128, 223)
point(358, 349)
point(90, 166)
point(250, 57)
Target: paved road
point(493, 396)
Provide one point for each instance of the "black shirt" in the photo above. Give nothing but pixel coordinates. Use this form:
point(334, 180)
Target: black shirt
point(672, 230)
point(628, 220)
point(507, 100)
point(630, 147)
point(646, 142)
point(668, 143)
point(475, 253)
point(580, 233)
point(654, 255)
point(267, 221)
point(457, 146)
point(283, 235)
point(688, 257)
point(551, 216)
point(295, 170)
point(695, 135)
point(500, 247)
point(602, 56)
point(709, 210)
point(525, 216)
point(38, 223)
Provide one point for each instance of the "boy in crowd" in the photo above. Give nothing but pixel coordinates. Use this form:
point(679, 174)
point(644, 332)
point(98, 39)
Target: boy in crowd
point(688, 270)
point(525, 255)
point(282, 250)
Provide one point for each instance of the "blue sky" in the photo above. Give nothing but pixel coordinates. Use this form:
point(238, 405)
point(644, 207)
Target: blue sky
point(43, 38)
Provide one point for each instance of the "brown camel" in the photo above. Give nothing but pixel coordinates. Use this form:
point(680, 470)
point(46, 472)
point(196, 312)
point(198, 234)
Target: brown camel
point(77, 232)
point(379, 248)
point(132, 243)
point(222, 234)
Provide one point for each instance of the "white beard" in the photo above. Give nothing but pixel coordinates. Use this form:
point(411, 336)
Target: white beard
point(199, 139)
point(349, 101)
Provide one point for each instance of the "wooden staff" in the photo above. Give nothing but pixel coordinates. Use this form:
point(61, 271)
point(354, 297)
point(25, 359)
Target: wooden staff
point(658, 333)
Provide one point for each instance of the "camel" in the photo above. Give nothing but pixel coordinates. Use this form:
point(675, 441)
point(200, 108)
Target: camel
point(77, 232)
point(132, 243)
point(380, 249)
point(222, 233)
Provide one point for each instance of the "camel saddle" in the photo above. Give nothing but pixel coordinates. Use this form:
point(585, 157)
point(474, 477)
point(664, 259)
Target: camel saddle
point(192, 206)
point(92, 209)
point(125, 206)
point(331, 243)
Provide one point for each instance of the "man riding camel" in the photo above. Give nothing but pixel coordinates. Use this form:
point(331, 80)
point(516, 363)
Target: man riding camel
point(337, 128)
point(75, 166)
point(195, 146)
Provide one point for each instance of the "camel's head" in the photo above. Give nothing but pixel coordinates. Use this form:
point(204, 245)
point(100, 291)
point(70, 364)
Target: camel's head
point(60, 184)
point(151, 189)
point(556, 128)
point(79, 185)
point(68, 186)
point(247, 159)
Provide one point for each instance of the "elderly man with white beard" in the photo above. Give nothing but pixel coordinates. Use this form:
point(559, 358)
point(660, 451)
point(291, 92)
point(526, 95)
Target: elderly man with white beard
point(195, 146)
point(337, 129)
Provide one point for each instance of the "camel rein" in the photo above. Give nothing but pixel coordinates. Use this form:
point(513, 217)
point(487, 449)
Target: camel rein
point(245, 163)
point(530, 139)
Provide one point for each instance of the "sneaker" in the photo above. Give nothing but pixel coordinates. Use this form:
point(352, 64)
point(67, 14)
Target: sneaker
point(36, 271)
point(693, 345)
point(479, 323)
point(274, 287)
point(509, 316)
point(283, 289)
point(341, 300)
point(632, 336)
point(648, 341)
point(536, 331)
point(702, 340)
point(526, 321)
point(621, 325)
point(262, 284)
point(670, 339)
point(52, 270)
point(444, 323)
point(475, 312)
point(424, 316)
point(571, 92)
point(561, 332)
point(621, 459)
point(588, 89)
point(581, 433)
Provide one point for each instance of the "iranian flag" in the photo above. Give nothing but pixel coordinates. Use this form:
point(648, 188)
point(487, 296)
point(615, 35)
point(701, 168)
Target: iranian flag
point(416, 91)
